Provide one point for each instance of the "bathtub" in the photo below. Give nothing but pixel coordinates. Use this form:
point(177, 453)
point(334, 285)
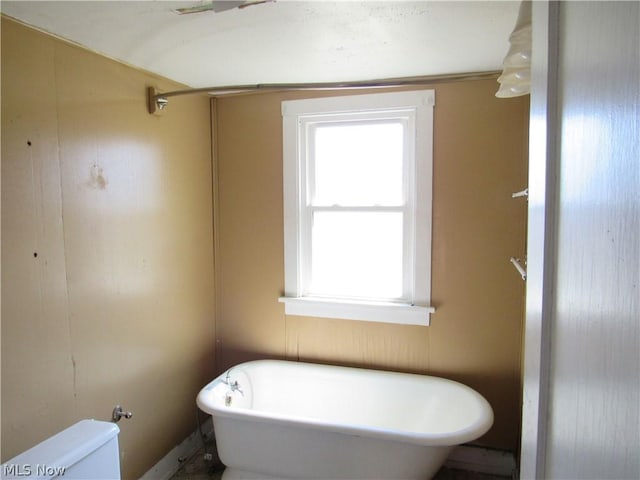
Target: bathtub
point(291, 420)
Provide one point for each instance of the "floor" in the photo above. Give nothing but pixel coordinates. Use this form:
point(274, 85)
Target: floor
point(197, 468)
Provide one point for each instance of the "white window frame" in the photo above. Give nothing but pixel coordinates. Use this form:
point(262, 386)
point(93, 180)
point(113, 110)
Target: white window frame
point(415, 109)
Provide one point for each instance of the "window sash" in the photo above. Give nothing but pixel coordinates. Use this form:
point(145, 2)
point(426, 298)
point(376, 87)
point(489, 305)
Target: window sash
point(307, 126)
point(306, 253)
point(313, 126)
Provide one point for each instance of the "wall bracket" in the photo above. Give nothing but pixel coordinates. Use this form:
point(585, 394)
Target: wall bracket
point(155, 101)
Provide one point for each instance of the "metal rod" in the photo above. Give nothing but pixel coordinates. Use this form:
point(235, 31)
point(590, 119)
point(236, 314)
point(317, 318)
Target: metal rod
point(157, 100)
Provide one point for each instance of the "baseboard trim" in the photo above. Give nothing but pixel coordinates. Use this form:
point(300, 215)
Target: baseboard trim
point(171, 462)
point(483, 460)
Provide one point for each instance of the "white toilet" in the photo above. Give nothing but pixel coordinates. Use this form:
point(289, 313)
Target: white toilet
point(87, 450)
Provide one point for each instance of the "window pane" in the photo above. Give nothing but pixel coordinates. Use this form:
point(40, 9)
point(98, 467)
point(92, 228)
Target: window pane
point(357, 254)
point(358, 164)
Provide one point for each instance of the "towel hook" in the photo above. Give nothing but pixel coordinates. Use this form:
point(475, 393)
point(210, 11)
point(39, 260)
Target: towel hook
point(519, 268)
point(521, 193)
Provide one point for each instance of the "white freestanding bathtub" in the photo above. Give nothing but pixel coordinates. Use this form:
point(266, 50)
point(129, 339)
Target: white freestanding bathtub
point(291, 420)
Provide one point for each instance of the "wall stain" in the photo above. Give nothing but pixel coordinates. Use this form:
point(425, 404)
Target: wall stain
point(97, 179)
point(75, 390)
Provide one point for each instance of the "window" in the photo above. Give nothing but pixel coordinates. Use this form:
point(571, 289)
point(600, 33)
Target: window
point(357, 205)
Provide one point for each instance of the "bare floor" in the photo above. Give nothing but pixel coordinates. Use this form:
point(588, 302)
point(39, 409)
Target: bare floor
point(198, 469)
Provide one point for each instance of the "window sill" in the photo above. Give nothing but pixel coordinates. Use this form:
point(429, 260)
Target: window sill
point(398, 313)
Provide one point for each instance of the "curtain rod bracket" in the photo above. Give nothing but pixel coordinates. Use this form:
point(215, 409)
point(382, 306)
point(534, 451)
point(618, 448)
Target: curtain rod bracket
point(155, 101)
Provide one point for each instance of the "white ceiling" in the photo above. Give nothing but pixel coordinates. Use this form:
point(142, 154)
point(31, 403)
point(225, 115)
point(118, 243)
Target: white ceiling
point(284, 41)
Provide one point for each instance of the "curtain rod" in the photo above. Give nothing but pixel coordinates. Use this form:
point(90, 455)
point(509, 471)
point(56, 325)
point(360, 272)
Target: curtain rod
point(158, 100)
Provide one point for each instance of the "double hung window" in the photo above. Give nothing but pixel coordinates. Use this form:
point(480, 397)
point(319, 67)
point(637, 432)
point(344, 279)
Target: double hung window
point(357, 203)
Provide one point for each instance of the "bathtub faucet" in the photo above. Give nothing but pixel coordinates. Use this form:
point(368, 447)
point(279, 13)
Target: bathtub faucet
point(234, 386)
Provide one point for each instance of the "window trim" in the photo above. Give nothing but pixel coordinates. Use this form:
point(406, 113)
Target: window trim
point(417, 310)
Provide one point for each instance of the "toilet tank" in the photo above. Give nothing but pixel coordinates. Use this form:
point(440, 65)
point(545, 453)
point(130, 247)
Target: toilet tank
point(87, 450)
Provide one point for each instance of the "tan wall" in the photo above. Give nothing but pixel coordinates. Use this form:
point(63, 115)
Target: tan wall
point(475, 336)
point(107, 268)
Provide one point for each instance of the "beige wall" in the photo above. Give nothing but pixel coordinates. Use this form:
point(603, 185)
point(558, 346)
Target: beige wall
point(475, 336)
point(107, 268)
